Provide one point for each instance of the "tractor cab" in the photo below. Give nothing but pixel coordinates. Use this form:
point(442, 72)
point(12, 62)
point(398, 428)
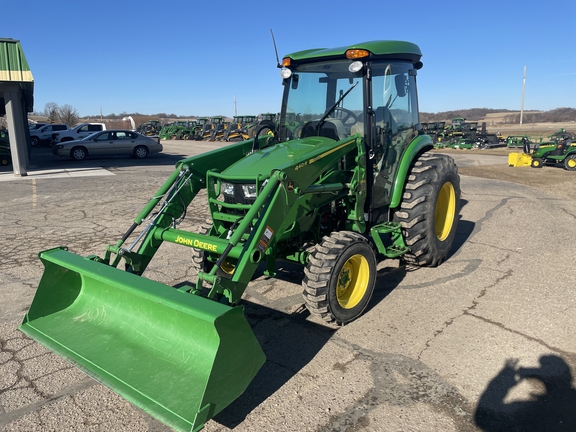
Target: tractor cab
point(346, 94)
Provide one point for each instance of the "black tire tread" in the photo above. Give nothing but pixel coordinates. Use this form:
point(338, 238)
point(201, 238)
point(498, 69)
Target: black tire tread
point(320, 268)
point(417, 199)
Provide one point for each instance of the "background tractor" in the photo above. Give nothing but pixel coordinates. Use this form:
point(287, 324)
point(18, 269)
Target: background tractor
point(203, 128)
point(150, 128)
point(357, 185)
point(241, 128)
point(557, 152)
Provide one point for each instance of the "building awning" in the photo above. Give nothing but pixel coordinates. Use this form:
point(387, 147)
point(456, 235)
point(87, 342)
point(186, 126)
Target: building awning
point(14, 69)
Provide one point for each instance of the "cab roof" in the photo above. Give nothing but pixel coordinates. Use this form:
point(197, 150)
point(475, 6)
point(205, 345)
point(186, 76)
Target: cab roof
point(380, 49)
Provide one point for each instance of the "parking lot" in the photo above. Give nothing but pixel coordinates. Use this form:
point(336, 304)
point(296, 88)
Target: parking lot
point(482, 342)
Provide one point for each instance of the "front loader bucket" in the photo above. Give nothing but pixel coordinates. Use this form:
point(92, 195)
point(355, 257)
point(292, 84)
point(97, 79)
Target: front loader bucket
point(519, 159)
point(180, 357)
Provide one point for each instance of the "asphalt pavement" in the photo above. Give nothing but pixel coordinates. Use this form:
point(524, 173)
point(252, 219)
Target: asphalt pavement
point(483, 342)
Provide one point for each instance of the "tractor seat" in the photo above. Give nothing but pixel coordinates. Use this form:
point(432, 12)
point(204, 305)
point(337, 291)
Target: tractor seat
point(332, 128)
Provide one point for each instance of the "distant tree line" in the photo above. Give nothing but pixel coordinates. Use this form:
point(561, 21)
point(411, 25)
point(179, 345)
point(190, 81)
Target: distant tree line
point(472, 114)
point(476, 114)
point(564, 115)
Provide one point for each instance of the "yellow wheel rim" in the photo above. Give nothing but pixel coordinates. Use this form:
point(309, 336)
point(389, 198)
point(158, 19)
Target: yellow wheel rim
point(352, 281)
point(445, 211)
point(571, 163)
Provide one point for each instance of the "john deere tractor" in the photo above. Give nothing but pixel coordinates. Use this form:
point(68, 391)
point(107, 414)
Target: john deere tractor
point(355, 186)
point(555, 152)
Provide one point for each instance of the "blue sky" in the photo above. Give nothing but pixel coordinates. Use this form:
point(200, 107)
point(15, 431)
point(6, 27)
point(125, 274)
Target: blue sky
point(191, 58)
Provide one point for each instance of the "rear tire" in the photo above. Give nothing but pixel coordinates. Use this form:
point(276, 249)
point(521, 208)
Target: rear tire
point(140, 152)
point(429, 209)
point(570, 163)
point(34, 141)
point(340, 277)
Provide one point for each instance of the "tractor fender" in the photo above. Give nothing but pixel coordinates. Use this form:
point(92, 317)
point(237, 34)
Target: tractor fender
point(418, 145)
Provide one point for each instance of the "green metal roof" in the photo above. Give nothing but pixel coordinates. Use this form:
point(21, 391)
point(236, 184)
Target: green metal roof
point(14, 68)
point(13, 64)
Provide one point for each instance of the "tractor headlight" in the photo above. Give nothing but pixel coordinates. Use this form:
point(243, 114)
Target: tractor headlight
point(239, 190)
point(249, 190)
point(285, 73)
point(228, 188)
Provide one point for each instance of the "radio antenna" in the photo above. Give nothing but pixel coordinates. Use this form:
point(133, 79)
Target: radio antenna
point(278, 65)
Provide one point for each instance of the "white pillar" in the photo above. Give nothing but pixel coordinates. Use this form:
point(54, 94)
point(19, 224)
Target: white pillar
point(16, 118)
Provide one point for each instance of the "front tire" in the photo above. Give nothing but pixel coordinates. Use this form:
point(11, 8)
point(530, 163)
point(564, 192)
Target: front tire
point(78, 153)
point(429, 209)
point(537, 163)
point(340, 277)
point(570, 163)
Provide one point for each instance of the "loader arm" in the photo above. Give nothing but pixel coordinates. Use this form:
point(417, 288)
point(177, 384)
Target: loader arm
point(253, 235)
point(173, 198)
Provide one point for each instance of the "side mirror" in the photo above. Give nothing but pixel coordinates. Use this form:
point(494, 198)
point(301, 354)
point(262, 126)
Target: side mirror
point(400, 81)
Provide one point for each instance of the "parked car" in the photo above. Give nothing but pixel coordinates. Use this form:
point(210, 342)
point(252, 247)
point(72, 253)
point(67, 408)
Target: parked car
point(44, 133)
point(78, 132)
point(34, 126)
point(109, 143)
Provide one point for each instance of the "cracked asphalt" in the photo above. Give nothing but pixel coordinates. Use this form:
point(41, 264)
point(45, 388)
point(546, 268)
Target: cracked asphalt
point(483, 342)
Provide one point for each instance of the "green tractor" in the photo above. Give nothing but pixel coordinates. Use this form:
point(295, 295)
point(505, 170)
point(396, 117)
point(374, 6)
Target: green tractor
point(556, 152)
point(186, 131)
point(358, 185)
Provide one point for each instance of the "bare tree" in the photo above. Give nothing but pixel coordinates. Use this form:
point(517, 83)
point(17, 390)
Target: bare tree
point(68, 114)
point(51, 111)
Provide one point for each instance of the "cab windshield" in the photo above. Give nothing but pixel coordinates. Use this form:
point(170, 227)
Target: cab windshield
point(314, 88)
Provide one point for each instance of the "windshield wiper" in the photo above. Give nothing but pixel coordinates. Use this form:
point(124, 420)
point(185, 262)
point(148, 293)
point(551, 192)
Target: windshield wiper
point(340, 99)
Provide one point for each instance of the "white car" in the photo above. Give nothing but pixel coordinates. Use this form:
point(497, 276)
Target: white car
point(109, 143)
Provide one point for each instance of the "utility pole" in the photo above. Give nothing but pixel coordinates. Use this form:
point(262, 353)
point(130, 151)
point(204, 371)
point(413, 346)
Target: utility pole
point(523, 89)
point(235, 112)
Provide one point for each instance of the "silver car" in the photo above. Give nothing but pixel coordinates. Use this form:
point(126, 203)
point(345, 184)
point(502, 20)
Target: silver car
point(109, 143)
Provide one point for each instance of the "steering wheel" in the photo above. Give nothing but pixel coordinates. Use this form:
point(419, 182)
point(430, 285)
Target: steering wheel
point(269, 129)
point(343, 115)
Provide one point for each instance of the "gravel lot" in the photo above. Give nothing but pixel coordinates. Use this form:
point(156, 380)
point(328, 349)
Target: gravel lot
point(483, 342)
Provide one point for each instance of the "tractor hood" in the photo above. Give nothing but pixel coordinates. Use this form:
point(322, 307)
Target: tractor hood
point(286, 156)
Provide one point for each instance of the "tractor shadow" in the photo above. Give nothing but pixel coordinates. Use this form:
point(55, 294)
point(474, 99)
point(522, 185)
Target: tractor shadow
point(292, 340)
point(289, 341)
point(463, 232)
